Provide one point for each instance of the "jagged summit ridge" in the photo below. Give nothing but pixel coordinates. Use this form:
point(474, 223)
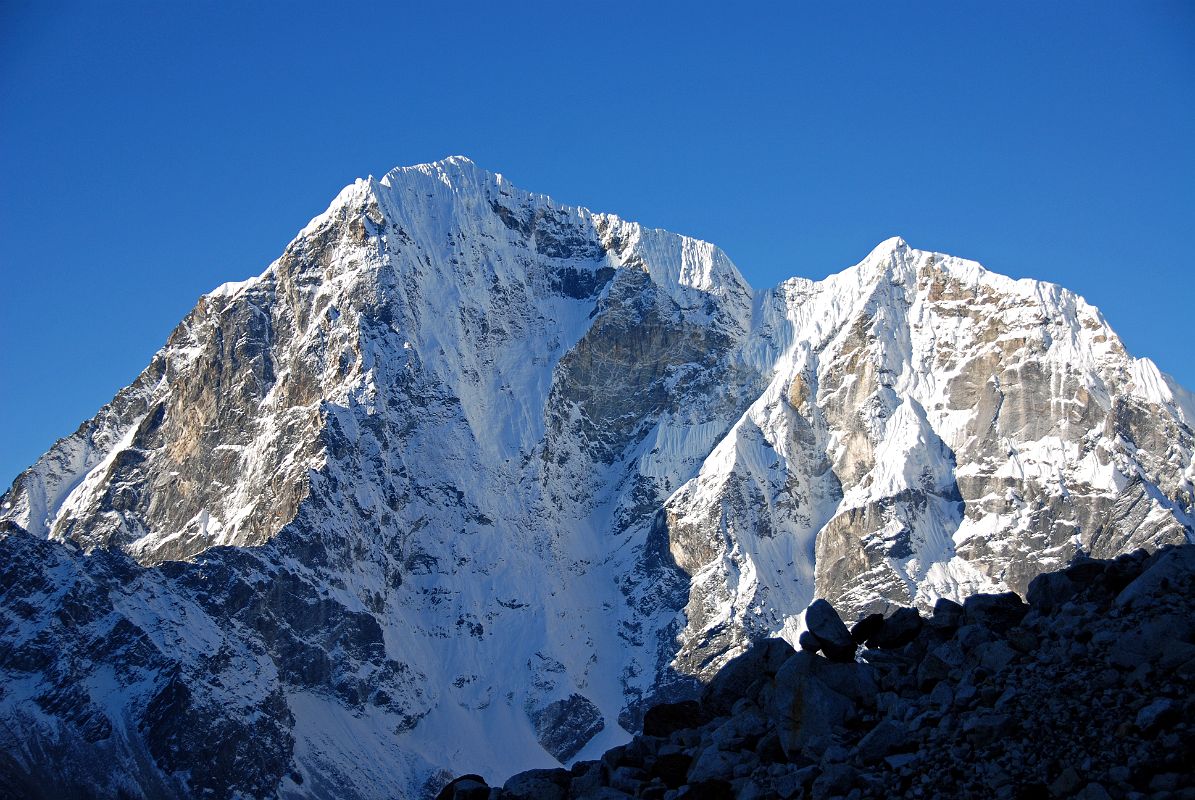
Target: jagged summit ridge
point(540, 466)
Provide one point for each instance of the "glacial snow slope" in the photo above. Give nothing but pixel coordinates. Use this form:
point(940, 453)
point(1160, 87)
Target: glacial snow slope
point(467, 476)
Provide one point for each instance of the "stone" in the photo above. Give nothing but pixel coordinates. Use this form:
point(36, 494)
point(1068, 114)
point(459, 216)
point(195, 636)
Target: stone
point(587, 778)
point(885, 738)
point(1165, 782)
point(465, 787)
point(672, 769)
point(1157, 714)
point(627, 779)
point(740, 731)
point(806, 711)
point(642, 748)
point(745, 674)
point(1050, 590)
point(964, 693)
point(972, 635)
point(538, 784)
point(900, 760)
point(666, 718)
point(472, 791)
point(984, 728)
point(1006, 699)
point(1175, 652)
point(1165, 571)
point(993, 656)
point(830, 632)
point(898, 630)
point(1093, 791)
point(835, 781)
point(867, 627)
point(809, 642)
point(1021, 640)
point(712, 764)
point(942, 695)
point(855, 681)
point(947, 614)
point(768, 748)
point(938, 663)
point(746, 789)
point(1147, 642)
point(892, 665)
point(793, 783)
point(1066, 784)
point(998, 612)
point(707, 790)
point(599, 793)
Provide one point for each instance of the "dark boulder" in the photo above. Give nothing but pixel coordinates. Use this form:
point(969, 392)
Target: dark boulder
point(706, 790)
point(897, 630)
point(1050, 590)
point(466, 787)
point(997, 612)
point(985, 728)
point(745, 675)
point(1165, 571)
point(1124, 570)
point(538, 784)
point(1085, 571)
point(836, 781)
point(667, 718)
point(830, 632)
point(887, 737)
point(948, 615)
point(867, 627)
point(805, 709)
point(768, 748)
point(671, 769)
point(620, 756)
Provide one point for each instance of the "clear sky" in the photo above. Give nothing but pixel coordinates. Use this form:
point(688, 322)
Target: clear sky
point(151, 151)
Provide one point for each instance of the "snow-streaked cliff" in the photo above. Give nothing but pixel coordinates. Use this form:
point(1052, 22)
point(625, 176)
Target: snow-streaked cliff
point(466, 476)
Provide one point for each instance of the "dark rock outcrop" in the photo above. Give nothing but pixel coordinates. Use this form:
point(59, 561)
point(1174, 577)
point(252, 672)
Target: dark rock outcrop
point(564, 726)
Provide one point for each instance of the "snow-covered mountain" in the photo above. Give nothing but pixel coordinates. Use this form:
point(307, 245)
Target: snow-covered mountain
point(467, 477)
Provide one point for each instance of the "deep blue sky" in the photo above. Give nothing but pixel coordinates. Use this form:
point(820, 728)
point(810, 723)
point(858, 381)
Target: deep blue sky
point(149, 152)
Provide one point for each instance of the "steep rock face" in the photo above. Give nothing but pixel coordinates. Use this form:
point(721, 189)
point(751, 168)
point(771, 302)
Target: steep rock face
point(929, 430)
point(466, 478)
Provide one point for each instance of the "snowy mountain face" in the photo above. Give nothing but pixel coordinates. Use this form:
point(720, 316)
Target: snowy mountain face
point(466, 478)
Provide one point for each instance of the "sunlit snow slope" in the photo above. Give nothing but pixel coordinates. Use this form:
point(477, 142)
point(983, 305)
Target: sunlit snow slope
point(467, 476)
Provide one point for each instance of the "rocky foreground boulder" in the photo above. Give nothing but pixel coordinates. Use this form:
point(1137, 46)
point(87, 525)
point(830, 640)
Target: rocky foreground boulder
point(1083, 691)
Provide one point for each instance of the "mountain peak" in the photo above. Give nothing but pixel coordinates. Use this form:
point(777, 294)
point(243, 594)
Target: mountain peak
point(457, 171)
point(889, 245)
point(473, 476)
